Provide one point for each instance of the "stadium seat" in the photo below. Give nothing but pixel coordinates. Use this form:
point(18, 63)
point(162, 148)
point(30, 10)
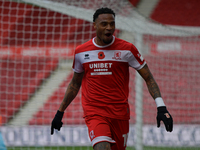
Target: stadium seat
point(177, 12)
point(52, 24)
point(19, 79)
point(134, 2)
point(172, 78)
point(73, 115)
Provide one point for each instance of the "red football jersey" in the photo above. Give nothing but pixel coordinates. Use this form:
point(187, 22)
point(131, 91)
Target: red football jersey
point(105, 85)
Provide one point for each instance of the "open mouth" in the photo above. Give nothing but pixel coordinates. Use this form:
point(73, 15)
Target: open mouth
point(108, 34)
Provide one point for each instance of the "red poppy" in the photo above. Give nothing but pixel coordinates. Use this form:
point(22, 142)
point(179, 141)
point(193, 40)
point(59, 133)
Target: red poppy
point(101, 55)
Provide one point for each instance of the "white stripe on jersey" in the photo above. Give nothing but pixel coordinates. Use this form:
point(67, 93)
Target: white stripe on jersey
point(110, 55)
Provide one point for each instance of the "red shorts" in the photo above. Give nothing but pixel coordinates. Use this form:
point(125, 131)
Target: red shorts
point(103, 129)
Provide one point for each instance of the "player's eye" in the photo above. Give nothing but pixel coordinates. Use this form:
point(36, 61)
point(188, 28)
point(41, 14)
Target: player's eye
point(103, 23)
point(112, 24)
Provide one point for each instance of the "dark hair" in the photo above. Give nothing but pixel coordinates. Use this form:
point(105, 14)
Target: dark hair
point(102, 10)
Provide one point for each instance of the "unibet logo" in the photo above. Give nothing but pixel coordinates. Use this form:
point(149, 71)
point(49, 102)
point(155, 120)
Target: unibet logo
point(100, 65)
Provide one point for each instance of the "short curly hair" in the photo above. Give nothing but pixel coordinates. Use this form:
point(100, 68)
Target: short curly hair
point(103, 10)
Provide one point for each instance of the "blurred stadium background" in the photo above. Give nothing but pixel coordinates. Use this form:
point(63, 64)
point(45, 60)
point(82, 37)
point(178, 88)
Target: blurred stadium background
point(37, 42)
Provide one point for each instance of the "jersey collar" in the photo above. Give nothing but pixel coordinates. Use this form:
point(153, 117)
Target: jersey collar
point(93, 40)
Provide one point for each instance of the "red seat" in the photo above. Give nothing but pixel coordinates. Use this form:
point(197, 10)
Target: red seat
point(73, 115)
point(179, 86)
point(19, 80)
point(177, 12)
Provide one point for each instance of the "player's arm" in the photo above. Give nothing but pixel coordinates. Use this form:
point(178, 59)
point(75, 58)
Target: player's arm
point(154, 90)
point(72, 90)
point(151, 83)
point(70, 94)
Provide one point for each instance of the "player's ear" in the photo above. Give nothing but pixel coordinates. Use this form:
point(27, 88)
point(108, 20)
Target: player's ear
point(94, 24)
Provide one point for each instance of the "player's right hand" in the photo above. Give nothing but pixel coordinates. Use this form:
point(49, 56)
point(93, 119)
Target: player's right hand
point(57, 121)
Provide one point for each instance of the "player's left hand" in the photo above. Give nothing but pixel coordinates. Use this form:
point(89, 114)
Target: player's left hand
point(165, 116)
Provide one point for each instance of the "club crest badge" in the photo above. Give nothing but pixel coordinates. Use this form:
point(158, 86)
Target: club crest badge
point(117, 56)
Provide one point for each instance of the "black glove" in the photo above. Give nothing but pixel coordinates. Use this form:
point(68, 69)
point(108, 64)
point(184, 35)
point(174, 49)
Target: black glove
point(165, 116)
point(57, 123)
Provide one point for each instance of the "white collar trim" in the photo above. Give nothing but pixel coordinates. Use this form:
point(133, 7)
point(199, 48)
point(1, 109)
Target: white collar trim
point(93, 40)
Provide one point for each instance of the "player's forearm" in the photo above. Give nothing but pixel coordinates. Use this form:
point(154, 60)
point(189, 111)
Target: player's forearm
point(72, 90)
point(70, 94)
point(153, 88)
point(151, 83)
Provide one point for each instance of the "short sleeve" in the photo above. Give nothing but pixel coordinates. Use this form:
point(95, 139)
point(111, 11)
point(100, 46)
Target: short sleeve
point(135, 59)
point(77, 65)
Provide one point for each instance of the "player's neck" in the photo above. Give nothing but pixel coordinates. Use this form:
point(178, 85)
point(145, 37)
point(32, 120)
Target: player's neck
point(100, 42)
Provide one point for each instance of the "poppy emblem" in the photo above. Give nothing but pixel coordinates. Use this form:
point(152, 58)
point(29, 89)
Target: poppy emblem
point(101, 55)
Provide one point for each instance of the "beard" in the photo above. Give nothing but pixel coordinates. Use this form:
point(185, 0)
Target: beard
point(107, 41)
point(104, 40)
